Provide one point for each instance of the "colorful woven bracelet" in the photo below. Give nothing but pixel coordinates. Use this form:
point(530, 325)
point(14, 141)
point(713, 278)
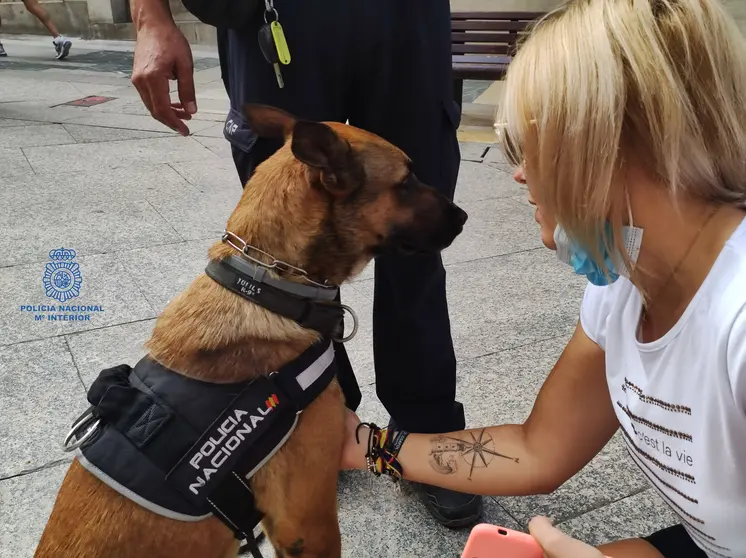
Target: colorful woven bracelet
point(384, 445)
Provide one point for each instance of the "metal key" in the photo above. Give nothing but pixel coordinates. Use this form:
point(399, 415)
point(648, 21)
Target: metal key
point(272, 41)
point(269, 50)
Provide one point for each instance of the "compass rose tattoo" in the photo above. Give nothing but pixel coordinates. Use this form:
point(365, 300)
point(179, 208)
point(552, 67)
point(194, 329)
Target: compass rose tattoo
point(478, 452)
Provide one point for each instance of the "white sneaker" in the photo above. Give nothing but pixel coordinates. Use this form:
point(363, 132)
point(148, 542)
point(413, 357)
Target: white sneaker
point(62, 46)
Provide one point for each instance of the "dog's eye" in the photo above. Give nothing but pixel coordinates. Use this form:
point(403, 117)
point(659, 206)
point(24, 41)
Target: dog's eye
point(407, 183)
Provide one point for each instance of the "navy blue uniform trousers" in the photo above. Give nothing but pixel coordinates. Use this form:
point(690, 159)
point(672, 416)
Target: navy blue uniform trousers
point(384, 66)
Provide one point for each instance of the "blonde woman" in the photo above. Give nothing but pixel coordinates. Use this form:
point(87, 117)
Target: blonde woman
point(627, 120)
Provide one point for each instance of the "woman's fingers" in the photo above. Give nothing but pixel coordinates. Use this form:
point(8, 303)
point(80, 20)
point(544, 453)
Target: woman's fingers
point(557, 544)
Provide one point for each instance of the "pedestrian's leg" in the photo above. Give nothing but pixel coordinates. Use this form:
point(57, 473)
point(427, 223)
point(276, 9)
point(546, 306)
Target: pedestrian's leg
point(42, 15)
point(61, 43)
point(2, 50)
point(405, 95)
point(315, 89)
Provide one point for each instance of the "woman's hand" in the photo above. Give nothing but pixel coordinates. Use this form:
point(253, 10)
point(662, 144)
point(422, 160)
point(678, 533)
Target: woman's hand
point(558, 545)
point(353, 453)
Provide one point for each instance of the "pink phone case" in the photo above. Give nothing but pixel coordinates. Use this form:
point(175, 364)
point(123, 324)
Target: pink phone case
point(492, 541)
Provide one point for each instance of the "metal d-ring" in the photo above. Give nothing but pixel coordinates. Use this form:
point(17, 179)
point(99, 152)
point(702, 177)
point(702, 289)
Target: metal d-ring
point(68, 445)
point(354, 325)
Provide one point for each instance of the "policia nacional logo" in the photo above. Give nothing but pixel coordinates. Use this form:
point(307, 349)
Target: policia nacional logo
point(62, 278)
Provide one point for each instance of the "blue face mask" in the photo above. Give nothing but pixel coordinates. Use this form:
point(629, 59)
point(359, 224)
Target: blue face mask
point(583, 264)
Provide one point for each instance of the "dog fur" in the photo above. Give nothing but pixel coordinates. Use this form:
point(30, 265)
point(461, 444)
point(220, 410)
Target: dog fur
point(328, 201)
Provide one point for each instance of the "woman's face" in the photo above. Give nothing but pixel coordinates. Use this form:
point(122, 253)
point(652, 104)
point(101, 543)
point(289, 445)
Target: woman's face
point(547, 224)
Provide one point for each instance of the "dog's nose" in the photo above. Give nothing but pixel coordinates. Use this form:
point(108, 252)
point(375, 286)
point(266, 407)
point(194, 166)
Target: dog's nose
point(461, 215)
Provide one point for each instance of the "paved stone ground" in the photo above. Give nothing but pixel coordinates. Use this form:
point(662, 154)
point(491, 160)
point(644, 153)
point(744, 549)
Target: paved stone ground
point(141, 205)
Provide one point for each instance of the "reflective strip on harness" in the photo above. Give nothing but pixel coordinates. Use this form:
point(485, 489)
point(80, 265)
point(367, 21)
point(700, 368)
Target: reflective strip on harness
point(185, 448)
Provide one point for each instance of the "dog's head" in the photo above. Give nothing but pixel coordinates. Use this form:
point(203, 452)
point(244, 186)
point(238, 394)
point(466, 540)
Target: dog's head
point(335, 196)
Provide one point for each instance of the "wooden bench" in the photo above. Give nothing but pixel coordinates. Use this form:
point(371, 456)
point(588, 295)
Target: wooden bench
point(483, 44)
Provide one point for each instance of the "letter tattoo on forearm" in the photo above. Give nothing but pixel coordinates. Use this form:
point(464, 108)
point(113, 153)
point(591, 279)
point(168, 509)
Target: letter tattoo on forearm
point(478, 453)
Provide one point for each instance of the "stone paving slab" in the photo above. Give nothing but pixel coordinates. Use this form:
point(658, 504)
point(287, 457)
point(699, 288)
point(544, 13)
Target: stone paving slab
point(41, 111)
point(161, 272)
point(495, 227)
point(116, 154)
point(609, 476)
point(213, 131)
point(40, 395)
point(473, 151)
point(53, 92)
point(371, 506)
point(94, 187)
point(12, 122)
point(634, 516)
point(218, 145)
point(516, 299)
point(129, 122)
point(93, 134)
point(360, 348)
point(14, 164)
point(220, 175)
point(198, 215)
point(97, 349)
point(31, 136)
point(495, 158)
point(477, 182)
point(94, 228)
point(25, 505)
point(106, 284)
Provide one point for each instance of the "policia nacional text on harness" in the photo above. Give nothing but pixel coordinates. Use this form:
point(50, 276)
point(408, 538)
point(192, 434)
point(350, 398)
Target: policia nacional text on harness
point(186, 449)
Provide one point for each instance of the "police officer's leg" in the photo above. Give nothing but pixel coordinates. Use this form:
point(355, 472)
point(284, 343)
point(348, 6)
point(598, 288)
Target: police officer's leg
point(314, 89)
point(406, 97)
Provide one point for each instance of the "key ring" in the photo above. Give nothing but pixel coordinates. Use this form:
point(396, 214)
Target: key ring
point(269, 6)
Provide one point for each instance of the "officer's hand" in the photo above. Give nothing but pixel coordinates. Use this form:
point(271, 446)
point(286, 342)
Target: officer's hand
point(558, 545)
point(162, 53)
point(353, 454)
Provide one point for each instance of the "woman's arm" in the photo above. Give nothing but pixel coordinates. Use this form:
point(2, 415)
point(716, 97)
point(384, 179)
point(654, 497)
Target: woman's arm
point(570, 423)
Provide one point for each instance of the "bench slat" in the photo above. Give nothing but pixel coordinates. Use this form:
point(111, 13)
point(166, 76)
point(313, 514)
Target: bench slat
point(482, 49)
point(510, 16)
point(482, 33)
point(476, 59)
point(488, 25)
point(493, 38)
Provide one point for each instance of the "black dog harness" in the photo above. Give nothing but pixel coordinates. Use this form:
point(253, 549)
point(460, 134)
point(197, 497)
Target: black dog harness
point(186, 449)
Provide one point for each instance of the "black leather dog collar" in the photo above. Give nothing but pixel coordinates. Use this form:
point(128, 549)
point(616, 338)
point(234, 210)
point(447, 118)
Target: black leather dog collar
point(311, 307)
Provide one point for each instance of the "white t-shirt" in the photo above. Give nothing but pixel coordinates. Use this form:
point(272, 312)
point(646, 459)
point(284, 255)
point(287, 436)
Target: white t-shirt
point(681, 400)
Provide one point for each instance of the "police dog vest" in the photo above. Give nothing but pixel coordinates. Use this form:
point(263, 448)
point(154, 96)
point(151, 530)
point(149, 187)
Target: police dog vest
point(186, 449)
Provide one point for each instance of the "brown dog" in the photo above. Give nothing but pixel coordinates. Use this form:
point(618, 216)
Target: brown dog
point(328, 201)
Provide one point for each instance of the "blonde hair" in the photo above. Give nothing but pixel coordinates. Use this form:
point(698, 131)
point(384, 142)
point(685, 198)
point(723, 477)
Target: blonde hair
point(599, 82)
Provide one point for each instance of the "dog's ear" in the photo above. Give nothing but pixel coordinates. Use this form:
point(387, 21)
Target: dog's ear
point(269, 122)
point(318, 146)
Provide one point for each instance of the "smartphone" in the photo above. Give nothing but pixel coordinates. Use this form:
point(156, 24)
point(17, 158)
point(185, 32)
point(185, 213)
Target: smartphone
point(492, 541)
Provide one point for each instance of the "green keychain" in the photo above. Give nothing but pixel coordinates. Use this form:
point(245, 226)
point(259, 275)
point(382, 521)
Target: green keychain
point(280, 42)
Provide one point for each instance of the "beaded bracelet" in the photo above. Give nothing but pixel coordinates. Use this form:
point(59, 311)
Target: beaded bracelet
point(383, 450)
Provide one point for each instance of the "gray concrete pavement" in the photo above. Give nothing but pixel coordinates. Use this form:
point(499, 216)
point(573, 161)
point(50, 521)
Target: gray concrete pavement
point(141, 205)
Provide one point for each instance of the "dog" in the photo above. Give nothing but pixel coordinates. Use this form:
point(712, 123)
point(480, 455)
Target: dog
point(331, 199)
